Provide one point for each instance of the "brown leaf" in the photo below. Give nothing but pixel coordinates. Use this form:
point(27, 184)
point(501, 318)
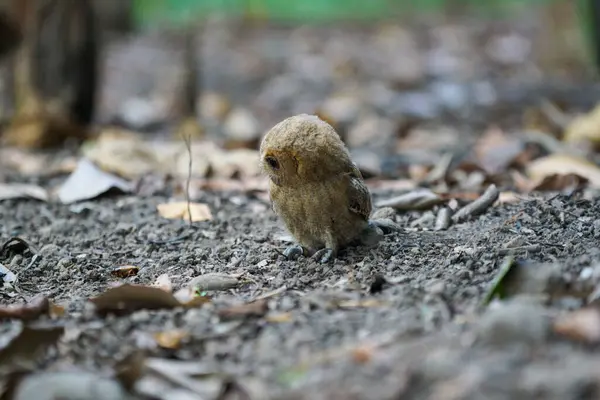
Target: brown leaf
point(581, 325)
point(256, 308)
point(124, 153)
point(179, 210)
point(495, 150)
point(56, 310)
point(35, 308)
point(171, 339)
point(567, 182)
point(125, 271)
point(28, 344)
point(88, 182)
point(563, 164)
point(21, 191)
point(128, 298)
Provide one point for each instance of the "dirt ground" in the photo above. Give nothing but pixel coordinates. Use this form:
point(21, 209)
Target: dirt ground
point(404, 319)
point(418, 336)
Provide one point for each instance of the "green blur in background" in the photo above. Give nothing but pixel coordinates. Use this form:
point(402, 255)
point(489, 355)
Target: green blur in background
point(181, 12)
point(306, 11)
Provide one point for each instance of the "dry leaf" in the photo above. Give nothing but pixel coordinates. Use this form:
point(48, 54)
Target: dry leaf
point(128, 298)
point(585, 128)
point(125, 271)
point(171, 339)
point(163, 282)
point(56, 310)
point(581, 325)
point(257, 308)
point(495, 150)
point(563, 164)
point(22, 190)
point(36, 307)
point(27, 345)
point(179, 210)
point(122, 152)
point(88, 182)
point(565, 183)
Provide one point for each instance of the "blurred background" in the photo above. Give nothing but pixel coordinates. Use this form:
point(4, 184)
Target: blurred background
point(400, 80)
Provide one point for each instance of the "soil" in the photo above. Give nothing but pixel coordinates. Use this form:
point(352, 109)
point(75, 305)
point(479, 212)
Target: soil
point(420, 335)
point(404, 319)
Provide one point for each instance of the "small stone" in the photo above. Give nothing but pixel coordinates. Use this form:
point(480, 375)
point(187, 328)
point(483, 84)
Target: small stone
point(518, 321)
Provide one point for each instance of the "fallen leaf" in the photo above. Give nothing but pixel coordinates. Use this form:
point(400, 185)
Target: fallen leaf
point(179, 210)
point(563, 183)
point(27, 345)
point(171, 339)
point(495, 150)
point(125, 271)
point(56, 310)
point(257, 308)
point(88, 182)
point(22, 190)
point(30, 163)
point(581, 325)
point(584, 128)
point(163, 282)
point(416, 200)
point(128, 298)
point(35, 308)
point(123, 152)
point(563, 164)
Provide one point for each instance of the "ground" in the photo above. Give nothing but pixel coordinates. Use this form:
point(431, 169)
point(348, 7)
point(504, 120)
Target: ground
point(405, 319)
point(421, 335)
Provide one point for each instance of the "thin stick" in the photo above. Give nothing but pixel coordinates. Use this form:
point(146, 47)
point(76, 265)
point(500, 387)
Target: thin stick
point(187, 139)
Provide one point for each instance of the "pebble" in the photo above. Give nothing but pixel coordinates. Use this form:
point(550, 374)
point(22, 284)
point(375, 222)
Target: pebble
point(519, 320)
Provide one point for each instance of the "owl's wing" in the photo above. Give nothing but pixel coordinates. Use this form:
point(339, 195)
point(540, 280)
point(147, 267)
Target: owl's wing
point(359, 197)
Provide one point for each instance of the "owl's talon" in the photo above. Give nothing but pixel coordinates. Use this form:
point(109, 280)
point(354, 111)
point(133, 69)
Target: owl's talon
point(293, 252)
point(324, 256)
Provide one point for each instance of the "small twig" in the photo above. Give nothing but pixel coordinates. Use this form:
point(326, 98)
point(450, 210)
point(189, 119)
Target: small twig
point(187, 140)
point(478, 206)
point(442, 222)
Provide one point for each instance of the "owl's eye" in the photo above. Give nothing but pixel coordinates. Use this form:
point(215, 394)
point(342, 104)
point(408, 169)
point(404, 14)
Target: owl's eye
point(272, 161)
